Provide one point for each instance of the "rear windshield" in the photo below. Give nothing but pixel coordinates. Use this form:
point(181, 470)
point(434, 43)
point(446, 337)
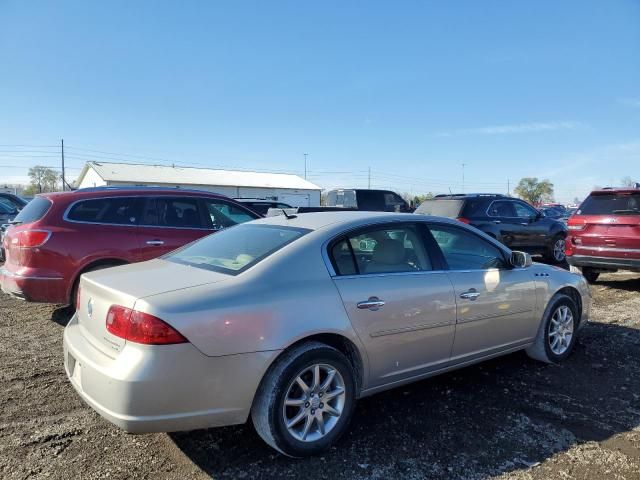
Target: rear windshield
point(33, 211)
point(441, 208)
point(237, 248)
point(611, 204)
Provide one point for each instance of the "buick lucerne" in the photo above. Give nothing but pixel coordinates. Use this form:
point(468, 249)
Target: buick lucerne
point(288, 320)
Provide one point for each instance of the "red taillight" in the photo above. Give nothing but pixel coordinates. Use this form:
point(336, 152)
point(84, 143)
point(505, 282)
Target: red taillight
point(140, 327)
point(463, 220)
point(30, 238)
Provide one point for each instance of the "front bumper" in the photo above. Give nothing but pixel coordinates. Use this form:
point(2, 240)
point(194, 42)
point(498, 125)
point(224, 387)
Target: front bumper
point(153, 388)
point(605, 263)
point(33, 286)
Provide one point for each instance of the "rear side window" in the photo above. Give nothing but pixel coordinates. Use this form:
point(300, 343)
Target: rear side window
point(223, 214)
point(611, 204)
point(390, 249)
point(173, 212)
point(441, 208)
point(502, 208)
point(34, 210)
point(117, 211)
point(235, 249)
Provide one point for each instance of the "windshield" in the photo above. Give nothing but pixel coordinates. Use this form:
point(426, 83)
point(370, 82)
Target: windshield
point(237, 248)
point(33, 211)
point(611, 204)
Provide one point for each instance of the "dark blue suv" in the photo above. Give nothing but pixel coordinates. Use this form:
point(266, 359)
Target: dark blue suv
point(509, 220)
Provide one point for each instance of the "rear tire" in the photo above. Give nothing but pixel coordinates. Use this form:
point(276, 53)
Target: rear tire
point(301, 423)
point(590, 275)
point(555, 253)
point(557, 332)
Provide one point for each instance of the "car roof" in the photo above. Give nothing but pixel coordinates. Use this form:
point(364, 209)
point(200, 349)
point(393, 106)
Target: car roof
point(456, 196)
point(318, 220)
point(604, 191)
point(101, 192)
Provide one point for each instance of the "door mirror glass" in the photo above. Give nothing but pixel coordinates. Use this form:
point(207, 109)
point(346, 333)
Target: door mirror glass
point(521, 260)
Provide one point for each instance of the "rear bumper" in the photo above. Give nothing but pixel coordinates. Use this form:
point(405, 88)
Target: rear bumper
point(34, 286)
point(606, 263)
point(152, 388)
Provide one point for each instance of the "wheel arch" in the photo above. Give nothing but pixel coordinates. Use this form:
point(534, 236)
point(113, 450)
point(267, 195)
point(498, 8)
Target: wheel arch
point(111, 261)
point(574, 295)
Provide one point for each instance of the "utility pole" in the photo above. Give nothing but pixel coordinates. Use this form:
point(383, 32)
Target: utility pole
point(305, 165)
point(463, 165)
point(369, 178)
point(64, 182)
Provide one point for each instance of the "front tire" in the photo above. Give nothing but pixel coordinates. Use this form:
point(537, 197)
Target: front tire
point(557, 332)
point(306, 400)
point(590, 275)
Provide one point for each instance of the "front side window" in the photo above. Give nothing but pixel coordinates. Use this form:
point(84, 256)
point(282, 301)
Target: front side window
point(524, 211)
point(463, 250)
point(224, 215)
point(172, 212)
point(234, 250)
point(389, 249)
point(117, 210)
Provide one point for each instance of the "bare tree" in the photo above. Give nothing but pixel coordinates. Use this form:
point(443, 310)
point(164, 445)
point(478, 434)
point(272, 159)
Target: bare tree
point(43, 179)
point(627, 182)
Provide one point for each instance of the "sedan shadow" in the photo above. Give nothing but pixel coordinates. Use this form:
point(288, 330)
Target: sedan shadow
point(499, 416)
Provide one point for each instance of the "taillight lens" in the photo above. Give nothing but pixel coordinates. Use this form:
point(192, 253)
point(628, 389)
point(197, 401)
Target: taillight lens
point(463, 220)
point(140, 327)
point(30, 238)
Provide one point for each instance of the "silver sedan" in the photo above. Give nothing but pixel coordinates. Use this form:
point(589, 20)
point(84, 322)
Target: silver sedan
point(288, 320)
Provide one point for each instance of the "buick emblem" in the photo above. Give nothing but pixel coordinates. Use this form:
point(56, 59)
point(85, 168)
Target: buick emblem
point(90, 307)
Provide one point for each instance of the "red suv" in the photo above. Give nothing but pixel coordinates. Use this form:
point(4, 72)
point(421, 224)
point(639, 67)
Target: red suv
point(59, 236)
point(604, 233)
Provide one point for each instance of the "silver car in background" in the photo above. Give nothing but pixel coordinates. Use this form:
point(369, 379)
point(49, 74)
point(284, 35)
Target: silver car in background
point(290, 319)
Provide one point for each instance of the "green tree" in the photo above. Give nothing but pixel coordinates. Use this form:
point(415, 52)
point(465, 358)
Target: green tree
point(534, 191)
point(43, 179)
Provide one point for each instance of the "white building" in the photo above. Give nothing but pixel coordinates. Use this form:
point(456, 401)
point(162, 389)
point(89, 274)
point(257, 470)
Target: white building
point(282, 187)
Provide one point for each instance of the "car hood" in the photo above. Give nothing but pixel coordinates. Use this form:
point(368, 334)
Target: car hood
point(138, 280)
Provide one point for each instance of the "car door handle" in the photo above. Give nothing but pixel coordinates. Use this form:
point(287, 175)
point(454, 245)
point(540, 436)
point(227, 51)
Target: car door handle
point(374, 303)
point(496, 221)
point(470, 294)
point(155, 242)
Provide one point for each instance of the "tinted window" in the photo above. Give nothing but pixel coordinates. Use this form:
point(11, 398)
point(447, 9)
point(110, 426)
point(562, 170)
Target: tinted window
point(441, 208)
point(236, 249)
point(611, 204)
point(393, 202)
point(523, 210)
point(11, 204)
point(370, 200)
point(502, 208)
point(225, 215)
point(464, 250)
point(172, 212)
point(383, 250)
point(120, 211)
point(34, 210)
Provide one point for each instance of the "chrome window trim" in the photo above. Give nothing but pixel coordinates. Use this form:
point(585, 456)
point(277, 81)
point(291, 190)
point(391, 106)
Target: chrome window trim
point(66, 218)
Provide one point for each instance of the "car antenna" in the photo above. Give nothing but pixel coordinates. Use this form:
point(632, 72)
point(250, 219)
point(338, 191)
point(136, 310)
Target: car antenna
point(288, 215)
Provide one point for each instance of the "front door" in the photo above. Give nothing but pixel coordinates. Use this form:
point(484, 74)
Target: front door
point(402, 310)
point(495, 303)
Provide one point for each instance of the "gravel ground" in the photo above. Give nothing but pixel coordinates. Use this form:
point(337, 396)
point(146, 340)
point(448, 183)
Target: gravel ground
point(510, 418)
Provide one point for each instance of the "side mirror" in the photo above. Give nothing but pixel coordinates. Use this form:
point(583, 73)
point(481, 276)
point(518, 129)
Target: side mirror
point(521, 259)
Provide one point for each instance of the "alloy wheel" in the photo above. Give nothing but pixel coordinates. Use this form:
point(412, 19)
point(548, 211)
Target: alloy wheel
point(561, 330)
point(558, 250)
point(314, 402)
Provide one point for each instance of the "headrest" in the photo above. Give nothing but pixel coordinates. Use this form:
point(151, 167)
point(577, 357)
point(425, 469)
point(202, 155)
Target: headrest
point(389, 252)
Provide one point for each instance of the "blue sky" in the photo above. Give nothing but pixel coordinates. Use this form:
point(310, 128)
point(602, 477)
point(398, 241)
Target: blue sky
point(410, 89)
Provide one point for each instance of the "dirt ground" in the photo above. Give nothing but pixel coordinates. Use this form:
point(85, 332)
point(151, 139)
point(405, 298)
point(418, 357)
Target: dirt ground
point(510, 418)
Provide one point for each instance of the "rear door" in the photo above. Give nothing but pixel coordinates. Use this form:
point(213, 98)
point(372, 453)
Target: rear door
point(495, 303)
point(401, 307)
point(534, 231)
point(169, 223)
